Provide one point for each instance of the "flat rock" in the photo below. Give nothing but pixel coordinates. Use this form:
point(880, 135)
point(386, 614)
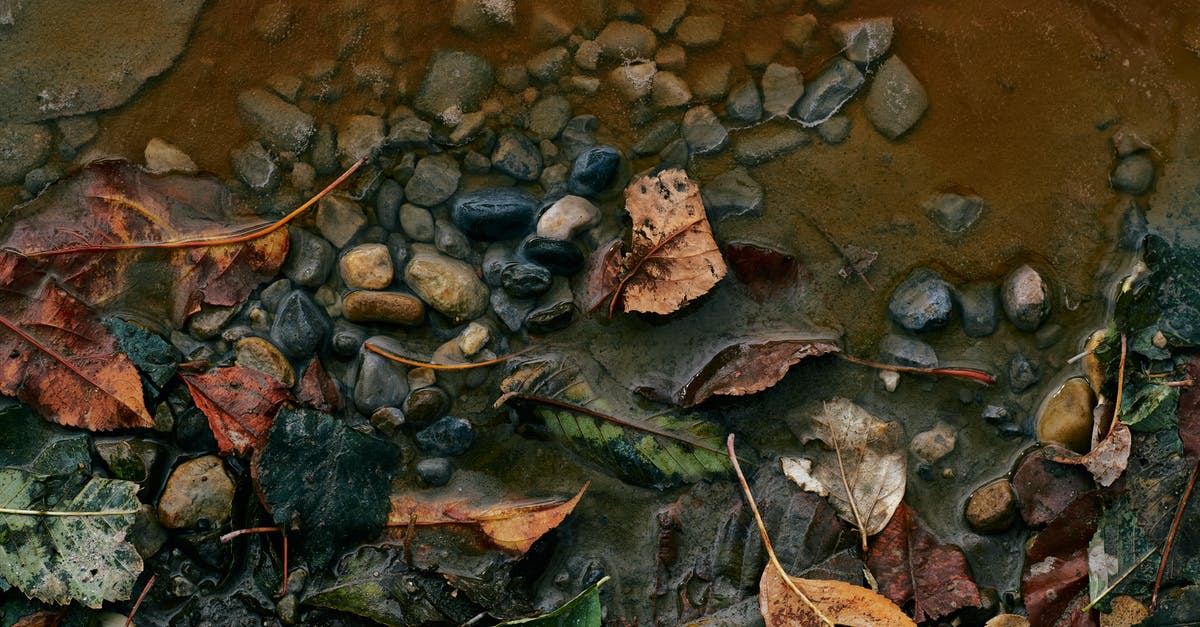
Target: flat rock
point(835, 130)
point(766, 142)
point(700, 31)
point(549, 65)
point(454, 79)
point(782, 87)
point(358, 137)
point(263, 356)
point(732, 194)
point(798, 29)
point(744, 104)
point(954, 213)
point(703, 132)
point(363, 306)
point(896, 99)
point(825, 95)
point(309, 259)
point(281, 124)
point(198, 490)
point(434, 180)
point(865, 40)
point(567, 217)
point(448, 285)
point(23, 147)
point(339, 219)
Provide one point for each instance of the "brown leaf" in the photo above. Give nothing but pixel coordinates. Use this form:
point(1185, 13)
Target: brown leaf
point(1056, 566)
point(1045, 488)
point(673, 258)
point(513, 525)
point(114, 203)
point(44, 618)
point(240, 404)
point(748, 366)
point(317, 389)
point(911, 564)
point(59, 358)
point(763, 269)
point(1189, 411)
point(1107, 459)
point(843, 603)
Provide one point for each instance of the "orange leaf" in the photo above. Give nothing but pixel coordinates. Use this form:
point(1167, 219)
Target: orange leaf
point(317, 389)
point(843, 603)
point(240, 404)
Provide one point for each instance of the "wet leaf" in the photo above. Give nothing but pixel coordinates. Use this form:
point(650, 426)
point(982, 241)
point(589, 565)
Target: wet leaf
point(843, 603)
point(1175, 280)
point(1056, 571)
point(32, 444)
point(663, 450)
point(118, 203)
point(59, 358)
point(240, 404)
point(862, 473)
point(1147, 406)
point(1107, 459)
point(673, 258)
point(582, 611)
point(764, 270)
point(513, 524)
point(317, 389)
point(1189, 412)
point(331, 482)
point(153, 356)
point(59, 559)
point(911, 564)
point(44, 618)
point(749, 365)
point(1175, 608)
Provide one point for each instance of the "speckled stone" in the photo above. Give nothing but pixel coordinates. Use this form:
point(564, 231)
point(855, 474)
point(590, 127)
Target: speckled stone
point(367, 266)
point(198, 490)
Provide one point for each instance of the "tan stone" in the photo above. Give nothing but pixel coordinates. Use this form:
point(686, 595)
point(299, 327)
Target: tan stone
point(263, 356)
point(992, 508)
point(390, 307)
point(198, 489)
point(367, 267)
point(1066, 418)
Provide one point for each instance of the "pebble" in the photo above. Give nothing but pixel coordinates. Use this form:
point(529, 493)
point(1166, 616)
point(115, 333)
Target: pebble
point(495, 258)
point(782, 87)
point(890, 379)
point(835, 130)
point(554, 310)
point(525, 280)
point(366, 266)
point(593, 170)
point(300, 325)
point(273, 294)
point(208, 322)
point(388, 201)
point(711, 82)
point(359, 136)
point(448, 285)
point(669, 91)
point(408, 132)
point(671, 58)
point(633, 81)
point(347, 338)
point(980, 307)
point(567, 217)
point(1045, 487)
point(473, 339)
point(511, 311)
point(309, 259)
point(254, 166)
point(42, 177)
point(282, 125)
point(130, 460)
point(435, 471)
point(73, 133)
point(381, 382)
point(425, 405)
point(655, 138)
point(561, 257)
point(161, 156)
point(767, 142)
point(434, 180)
point(1022, 373)
point(450, 240)
point(416, 222)
point(263, 356)
point(906, 351)
point(364, 306)
point(579, 135)
point(303, 176)
point(548, 28)
point(198, 490)
point(323, 154)
point(517, 156)
point(825, 95)
point(621, 41)
point(700, 31)
point(448, 437)
point(455, 79)
point(745, 104)
point(495, 213)
point(933, 445)
point(992, 508)
point(798, 29)
point(587, 55)
point(732, 194)
point(954, 213)
point(1026, 298)
point(896, 100)
point(703, 132)
point(1066, 417)
point(387, 420)
point(863, 41)
point(669, 15)
point(548, 65)
point(548, 116)
point(339, 219)
point(1133, 175)
point(922, 302)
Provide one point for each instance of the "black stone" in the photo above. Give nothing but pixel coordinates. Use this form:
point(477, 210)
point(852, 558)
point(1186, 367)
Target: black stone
point(300, 325)
point(1022, 373)
point(309, 259)
point(922, 302)
point(347, 338)
point(560, 257)
point(524, 280)
point(495, 213)
point(447, 437)
point(425, 405)
point(387, 204)
point(192, 432)
point(593, 170)
point(517, 156)
point(980, 307)
point(435, 471)
point(380, 382)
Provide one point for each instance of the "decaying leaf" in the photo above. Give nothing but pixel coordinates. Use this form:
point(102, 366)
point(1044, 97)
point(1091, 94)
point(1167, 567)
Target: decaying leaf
point(154, 357)
point(750, 365)
point(59, 358)
point(763, 269)
point(115, 203)
point(843, 603)
point(317, 389)
point(911, 564)
point(1109, 455)
point(1056, 564)
point(513, 525)
point(240, 404)
point(862, 473)
point(663, 450)
point(59, 559)
point(1189, 412)
point(673, 258)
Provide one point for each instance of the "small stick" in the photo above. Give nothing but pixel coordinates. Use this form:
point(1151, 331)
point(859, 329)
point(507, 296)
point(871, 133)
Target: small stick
point(420, 364)
point(762, 529)
point(138, 603)
point(1162, 564)
point(841, 251)
point(961, 373)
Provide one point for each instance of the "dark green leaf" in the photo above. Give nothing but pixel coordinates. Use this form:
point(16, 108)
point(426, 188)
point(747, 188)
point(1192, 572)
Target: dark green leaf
point(1147, 406)
point(1176, 608)
point(582, 611)
point(152, 355)
point(1175, 280)
point(29, 442)
point(330, 481)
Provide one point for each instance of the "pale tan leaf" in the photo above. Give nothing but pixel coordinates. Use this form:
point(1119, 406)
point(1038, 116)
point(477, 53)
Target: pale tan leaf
point(841, 602)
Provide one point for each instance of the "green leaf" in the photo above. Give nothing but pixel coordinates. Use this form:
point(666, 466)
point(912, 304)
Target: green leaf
point(1175, 280)
point(582, 611)
point(330, 479)
point(662, 450)
point(152, 355)
point(29, 442)
point(1148, 406)
point(74, 557)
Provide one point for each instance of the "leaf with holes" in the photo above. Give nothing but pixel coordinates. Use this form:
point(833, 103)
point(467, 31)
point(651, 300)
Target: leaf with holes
point(240, 404)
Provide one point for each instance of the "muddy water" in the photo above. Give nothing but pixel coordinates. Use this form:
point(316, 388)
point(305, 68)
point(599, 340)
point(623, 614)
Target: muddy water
point(1025, 96)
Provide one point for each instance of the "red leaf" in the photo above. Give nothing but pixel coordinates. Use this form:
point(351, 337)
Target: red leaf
point(1045, 487)
point(910, 563)
point(764, 270)
point(1189, 411)
point(59, 358)
point(317, 389)
point(750, 365)
point(1056, 569)
point(240, 404)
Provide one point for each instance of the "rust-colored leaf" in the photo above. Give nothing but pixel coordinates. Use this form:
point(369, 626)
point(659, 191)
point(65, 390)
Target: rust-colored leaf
point(317, 389)
point(748, 366)
point(240, 404)
point(513, 524)
point(1189, 411)
point(762, 269)
point(673, 258)
point(1056, 566)
point(911, 564)
point(71, 229)
point(843, 603)
point(59, 358)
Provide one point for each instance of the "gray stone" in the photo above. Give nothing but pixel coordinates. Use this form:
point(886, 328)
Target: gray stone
point(798, 29)
point(511, 311)
point(764, 143)
point(407, 132)
point(161, 156)
point(282, 125)
point(554, 310)
point(579, 135)
point(388, 200)
point(339, 219)
point(450, 240)
point(381, 382)
point(1133, 175)
point(896, 99)
point(936, 443)
point(1026, 298)
point(703, 132)
point(835, 130)
point(23, 147)
point(633, 81)
point(624, 40)
point(655, 138)
point(669, 91)
point(517, 156)
point(42, 177)
point(548, 116)
point(448, 285)
point(865, 40)
point(300, 325)
point(587, 56)
point(782, 86)
point(593, 170)
point(448, 437)
point(548, 28)
point(417, 223)
point(745, 104)
point(303, 176)
point(567, 217)
point(255, 166)
point(525, 280)
point(475, 163)
point(826, 94)
point(497, 256)
point(347, 338)
point(286, 86)
point(309, 260)
point(454, 79)
point(273, 294)
point(469, 127)
point(358, 137)
point(732, 194)
point(980, 308)
point(208, 322)
point(906, 351)
point(1022, 373)
point(700, 31)
point(954, 213)
point(669, 15)
point(65, 58)
point(435, 471)
point(323, 154)
point(922, 302)
point(434, 180)
point(549, 65)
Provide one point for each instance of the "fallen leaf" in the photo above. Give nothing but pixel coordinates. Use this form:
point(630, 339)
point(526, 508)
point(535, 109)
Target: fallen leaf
point(843, 603)
point(513, 525)
point(153, 356)
point(331, 482)
point(1189, 411)
point(115, 203)
point(1056, 565)
point(911, 564)
point(60, 559)
point(1175, 287)
point(1108, 458)
point(317, 389)
point(764, 270)
point(749, 365)
point(240, 404)
point(863, 475)
point(582, 611)
point(59, 358)
point(1045, 487)
point(44, 618)
point(673, 258)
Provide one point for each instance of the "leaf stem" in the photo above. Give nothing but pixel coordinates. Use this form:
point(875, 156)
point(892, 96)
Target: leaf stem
point(762, 530)
point(421, 364)
point(837, 449)
point(960, 373)
point(138, 603)
point(61, 514)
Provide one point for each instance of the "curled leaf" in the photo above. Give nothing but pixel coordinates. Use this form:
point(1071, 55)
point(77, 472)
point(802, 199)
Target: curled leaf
point(748, 366)
point(843, 603)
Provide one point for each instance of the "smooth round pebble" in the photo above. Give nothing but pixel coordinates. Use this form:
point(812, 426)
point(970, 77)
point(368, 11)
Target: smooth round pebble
point(263, 356)
point(1026, 298)
point(367, 267)
point(593, 170)
point(495, 213)
point(567, 217)
point(992, 508)
point(198, 489)
point(300, 325)
point(435, 471)
point(1066, 417)
point(425, 405)
point(448, 285)
point(560, 257)
point(1133, 175)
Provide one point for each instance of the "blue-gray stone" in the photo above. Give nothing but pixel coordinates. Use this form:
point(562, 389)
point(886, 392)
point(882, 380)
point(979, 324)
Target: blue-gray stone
point(1022, 373)
point(979, 304)
point(448, 437)
point(560, 257)
point(435, 471)
point(309, 259)
point(495, 213)
point(593, 170)
point(380, 382)
point(511, 311)
point(387, 204)
point(300, 325)
point(922, 302)
point(255, 166)
point(517, 156)
point(826, 94)
point(347, 338)
point(1133, 175)
point(734, 193)
point(578, 135)
point(525, 280)
point(450, 240)
point(744, 105)
point(906, 351)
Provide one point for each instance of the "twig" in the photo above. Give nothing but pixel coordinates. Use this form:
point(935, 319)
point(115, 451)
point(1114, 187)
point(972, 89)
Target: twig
point(960, 373)
point(420, 364)
point(762, 529)
point(1120, 385)
point(1162, 564)
point(1113, 586)
point(60, 514)
point(280, 530)
point(138, 603)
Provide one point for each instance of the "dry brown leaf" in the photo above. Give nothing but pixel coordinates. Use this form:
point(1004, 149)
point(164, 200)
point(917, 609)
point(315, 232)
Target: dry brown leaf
point(749, 366)
point(673, 258)
point(843, 603)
